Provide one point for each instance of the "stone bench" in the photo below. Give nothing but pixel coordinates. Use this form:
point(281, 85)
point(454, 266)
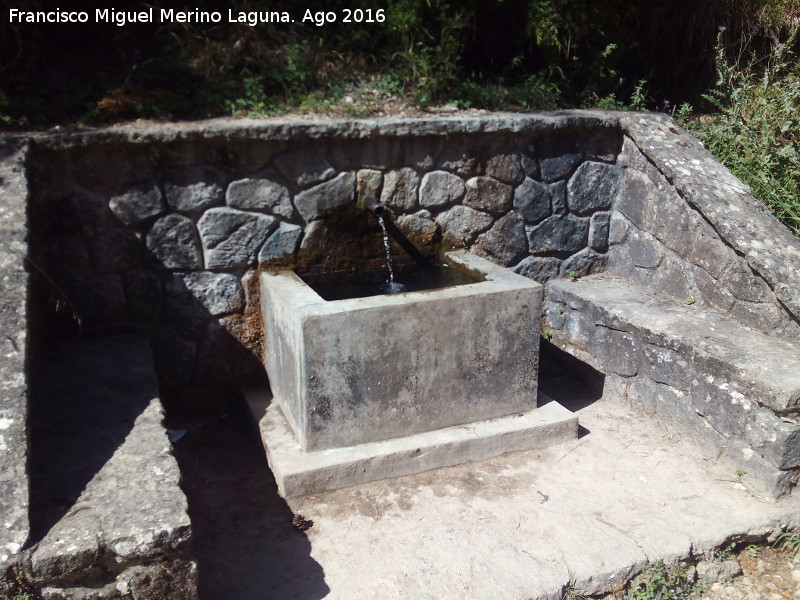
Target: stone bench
point(734, 389)
point(106, 500)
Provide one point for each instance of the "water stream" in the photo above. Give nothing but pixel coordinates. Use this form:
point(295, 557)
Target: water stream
point(392, 287)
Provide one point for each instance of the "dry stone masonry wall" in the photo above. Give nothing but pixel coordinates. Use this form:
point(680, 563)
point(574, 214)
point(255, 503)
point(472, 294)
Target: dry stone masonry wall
point(165, 227)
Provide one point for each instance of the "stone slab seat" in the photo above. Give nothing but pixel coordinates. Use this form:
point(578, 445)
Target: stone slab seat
point(736, 390)
point(128, 532)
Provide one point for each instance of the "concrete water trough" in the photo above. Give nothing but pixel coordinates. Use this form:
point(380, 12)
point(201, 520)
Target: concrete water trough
point(385, 385)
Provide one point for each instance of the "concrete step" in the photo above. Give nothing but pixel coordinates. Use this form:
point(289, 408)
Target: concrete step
point(302, 473)
point(727, 385)
point(107, 511)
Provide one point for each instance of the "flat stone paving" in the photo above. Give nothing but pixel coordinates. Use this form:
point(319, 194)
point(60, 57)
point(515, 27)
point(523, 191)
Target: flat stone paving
point(524, 525)
point(590, 512)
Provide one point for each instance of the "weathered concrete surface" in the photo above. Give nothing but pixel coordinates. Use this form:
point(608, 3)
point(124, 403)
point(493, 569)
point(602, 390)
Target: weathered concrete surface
point(301, 473)
point(524, 525)
point(734, 389)
point(369, 369)
point(108, 516)
point(14, 525)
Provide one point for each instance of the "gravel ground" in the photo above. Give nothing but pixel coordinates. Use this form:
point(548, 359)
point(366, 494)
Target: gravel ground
point(767, 574)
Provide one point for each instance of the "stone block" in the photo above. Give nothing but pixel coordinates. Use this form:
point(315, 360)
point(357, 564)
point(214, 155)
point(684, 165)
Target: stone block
point(400, 189)
point(666, 366)
point(603, 145)
point(174, 243)
point(421, 152)
point(101, 167)
point(594, 186)
point(231, 238)
point(440, 188)
point(489, 195)
point(709, 252)
point(559, 234)
point(462, 224)
point(744, 284)
point(261, 193)
point(137, 204)
point(530, 166)
point(100, 299)
point(305, 166)
point(712, 291)
point(539, 268)
point(643, 250)
point(419, 227)
point(532, 201)
point(325, 198)
point(617, 351)
point(462, 161)
point(598, 231)
point(637, 200)
point(558, 156)
point(369, 181)
point(70, 256)
point(193, 188)
point(505, 167)
point(218, 293)
point(367, 369)
point(506, 243)
point(281, 242)
point(584, 262)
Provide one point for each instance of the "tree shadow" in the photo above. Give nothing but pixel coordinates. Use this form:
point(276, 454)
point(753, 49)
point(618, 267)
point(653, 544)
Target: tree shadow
point(243, 538)
point(84, 397)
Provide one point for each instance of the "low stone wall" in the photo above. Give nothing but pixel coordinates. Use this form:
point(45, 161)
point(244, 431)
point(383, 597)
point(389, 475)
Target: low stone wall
point(166, 227)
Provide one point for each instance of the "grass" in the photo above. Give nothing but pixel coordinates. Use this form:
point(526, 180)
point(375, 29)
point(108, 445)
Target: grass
point(789, 542)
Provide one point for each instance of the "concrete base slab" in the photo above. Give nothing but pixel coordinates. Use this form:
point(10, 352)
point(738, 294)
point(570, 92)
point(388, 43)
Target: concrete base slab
point(299, 473)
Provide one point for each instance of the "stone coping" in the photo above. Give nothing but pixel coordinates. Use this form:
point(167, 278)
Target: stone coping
point(14, 525)
point(310, 129)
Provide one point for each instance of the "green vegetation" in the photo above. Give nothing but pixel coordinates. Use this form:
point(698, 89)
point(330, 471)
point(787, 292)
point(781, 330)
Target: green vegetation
point(756, 129)
point(493, 54)
point(789, 542)
point(726, 69)
point(661, 582)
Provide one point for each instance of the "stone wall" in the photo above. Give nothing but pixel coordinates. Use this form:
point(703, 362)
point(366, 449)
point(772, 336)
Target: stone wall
point(165, 228)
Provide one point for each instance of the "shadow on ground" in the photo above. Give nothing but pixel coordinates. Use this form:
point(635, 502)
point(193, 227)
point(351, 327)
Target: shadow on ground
point(244, 541)
point(569, 381)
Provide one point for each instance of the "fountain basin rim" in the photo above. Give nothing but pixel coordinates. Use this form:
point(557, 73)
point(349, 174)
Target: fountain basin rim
point(305, 299)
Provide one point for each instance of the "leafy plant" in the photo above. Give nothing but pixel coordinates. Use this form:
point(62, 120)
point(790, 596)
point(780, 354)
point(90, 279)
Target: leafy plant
point(790, 542)
point(570, 592)
point(573, 275)
point(661, 582)
point(725, 552)
point(753, 550)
